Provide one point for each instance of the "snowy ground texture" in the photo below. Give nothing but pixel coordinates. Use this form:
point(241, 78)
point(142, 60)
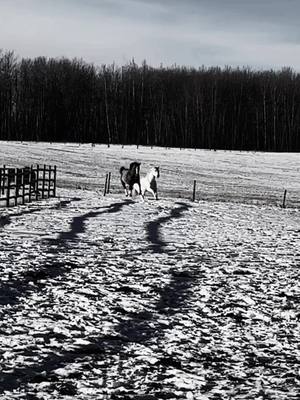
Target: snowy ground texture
point(112, 298)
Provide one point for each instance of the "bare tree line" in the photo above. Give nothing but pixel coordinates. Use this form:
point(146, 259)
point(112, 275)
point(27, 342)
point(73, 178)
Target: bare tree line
point(69, 100)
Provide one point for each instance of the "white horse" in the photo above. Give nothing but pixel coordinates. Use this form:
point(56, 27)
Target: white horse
point(148, 183)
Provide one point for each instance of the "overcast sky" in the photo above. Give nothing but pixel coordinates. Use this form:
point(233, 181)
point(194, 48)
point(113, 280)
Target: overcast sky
point(255, 33)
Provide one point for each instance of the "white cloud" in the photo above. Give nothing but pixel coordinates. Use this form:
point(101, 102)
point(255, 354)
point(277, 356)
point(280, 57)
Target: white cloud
point(103, 31)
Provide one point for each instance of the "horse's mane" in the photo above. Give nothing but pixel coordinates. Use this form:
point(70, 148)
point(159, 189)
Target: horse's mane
point(131, 175)
point(134, 164)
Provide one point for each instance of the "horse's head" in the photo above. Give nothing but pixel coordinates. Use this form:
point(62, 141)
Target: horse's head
point(134, 167)
point(156, 172)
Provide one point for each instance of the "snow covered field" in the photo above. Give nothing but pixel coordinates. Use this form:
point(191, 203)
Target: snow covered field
point(255, 178)
point(111, 298)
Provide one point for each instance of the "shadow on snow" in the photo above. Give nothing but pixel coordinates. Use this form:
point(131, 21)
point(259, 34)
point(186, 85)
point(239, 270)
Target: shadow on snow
point(153, 228)
point(12, 291)
point(139, 327)
point(6, 219)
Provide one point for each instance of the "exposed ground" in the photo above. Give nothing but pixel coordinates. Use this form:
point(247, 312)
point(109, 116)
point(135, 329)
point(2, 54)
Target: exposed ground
point(111, 298)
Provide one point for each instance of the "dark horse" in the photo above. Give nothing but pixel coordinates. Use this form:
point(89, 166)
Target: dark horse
point(130, 176)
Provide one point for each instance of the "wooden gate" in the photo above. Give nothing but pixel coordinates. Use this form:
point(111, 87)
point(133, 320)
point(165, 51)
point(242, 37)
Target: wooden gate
point(22, 185)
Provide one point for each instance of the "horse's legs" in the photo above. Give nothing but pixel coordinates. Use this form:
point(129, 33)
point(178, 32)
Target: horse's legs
point(130, 190)
point(137, 187)
point(153, 193)
point(140, 188)
point(125, 188)
point(142, 192)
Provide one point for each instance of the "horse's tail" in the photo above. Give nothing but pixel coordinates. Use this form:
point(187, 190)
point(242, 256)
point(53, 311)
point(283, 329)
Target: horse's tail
point(122, 169)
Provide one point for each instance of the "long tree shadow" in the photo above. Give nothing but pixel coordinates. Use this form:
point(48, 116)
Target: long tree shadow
point(6, 219)
point(153, 228)
point(78, 224)
point(138, 327)
point(29, 281)
point(174, 295)
point(14, 289)
point(44, 372)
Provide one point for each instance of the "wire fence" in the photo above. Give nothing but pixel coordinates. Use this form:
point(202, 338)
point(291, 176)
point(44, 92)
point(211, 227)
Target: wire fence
point(27, 184)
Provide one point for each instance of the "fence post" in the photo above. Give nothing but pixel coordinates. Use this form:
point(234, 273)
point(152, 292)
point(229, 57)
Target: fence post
point(108, 182)
point(49, 179)
point(23, 187)
point(3, 178)
point(43, 183)
point(54, 182)
point(8, 190)
point(194, 190)
point(30, 184)
point(17, 184)
point(284, 198)
point(105, 186)
point(37, 180)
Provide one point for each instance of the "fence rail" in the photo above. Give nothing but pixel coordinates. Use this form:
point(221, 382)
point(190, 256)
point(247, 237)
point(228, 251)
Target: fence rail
point(22, 185)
